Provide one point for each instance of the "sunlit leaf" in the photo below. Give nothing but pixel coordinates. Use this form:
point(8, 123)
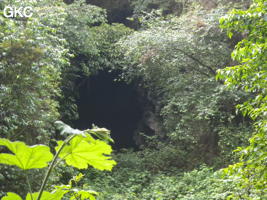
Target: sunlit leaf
point(56, 195)
point(76, 179)
point(82, 152)
point(25, 157)
point(84, 195)
point(11, 196)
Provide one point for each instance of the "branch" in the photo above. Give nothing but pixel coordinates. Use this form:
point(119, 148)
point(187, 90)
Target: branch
point(197, 60)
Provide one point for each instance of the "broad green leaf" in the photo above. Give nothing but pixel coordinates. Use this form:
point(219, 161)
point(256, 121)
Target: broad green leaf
point(85, 151)
point(74, 193)
point(83, 195)
point(55, 195)
point(25, 157)
point(76, 179)
point(11, 196)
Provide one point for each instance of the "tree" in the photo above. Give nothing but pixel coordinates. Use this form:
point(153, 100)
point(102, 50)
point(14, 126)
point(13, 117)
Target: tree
point(32, 55)
point(250, 76)
point(176, 58)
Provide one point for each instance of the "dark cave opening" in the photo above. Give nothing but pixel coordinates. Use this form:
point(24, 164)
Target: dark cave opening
point(114, 105)
point(118, 11)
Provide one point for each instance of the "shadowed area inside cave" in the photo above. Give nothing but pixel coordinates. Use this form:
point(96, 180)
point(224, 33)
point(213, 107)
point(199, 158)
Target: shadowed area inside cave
point(114, 105)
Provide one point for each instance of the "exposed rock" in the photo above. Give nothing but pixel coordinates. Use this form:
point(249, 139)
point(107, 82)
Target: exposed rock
point(117, 10)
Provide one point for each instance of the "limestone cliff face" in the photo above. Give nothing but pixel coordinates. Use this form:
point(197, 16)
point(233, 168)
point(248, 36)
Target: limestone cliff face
point(118, 10)
point(150, 122)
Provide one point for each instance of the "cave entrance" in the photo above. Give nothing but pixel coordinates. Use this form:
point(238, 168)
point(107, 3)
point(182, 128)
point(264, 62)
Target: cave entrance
point(114, 105)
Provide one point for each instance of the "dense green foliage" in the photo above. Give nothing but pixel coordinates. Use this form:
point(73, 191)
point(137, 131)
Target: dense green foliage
point(172, 60)
point(250, 75)
point(32, 55)
point(167, 6)
point(131, 179)
point(177, 59)
point(30, 72)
